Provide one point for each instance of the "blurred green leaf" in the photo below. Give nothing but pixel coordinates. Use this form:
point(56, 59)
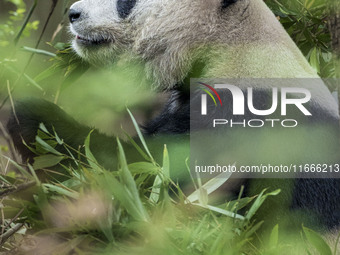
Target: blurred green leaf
point(140, 135)
point(46, 161)
point(314, 59)
point(317, 241)
point(90, 157)
point(259, 201)
point(61, 191)
point(274, 237)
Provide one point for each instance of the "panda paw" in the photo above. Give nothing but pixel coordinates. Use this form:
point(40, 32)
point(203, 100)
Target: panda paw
point(26, 118)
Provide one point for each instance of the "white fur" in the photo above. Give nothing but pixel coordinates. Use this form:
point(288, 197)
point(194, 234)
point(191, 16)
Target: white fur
point(245, 40)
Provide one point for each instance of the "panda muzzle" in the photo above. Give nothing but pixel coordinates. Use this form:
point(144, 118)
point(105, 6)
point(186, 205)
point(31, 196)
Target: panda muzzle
point(92, 42)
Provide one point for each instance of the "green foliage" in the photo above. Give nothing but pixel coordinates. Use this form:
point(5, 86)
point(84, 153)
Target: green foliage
point(95, 211)
point(12, 26)
point(317, 242)
point(306, 22)
point(89, 210)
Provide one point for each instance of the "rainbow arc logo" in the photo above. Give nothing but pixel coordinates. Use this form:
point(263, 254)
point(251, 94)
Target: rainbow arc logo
point(209, 93)
point(204, 97)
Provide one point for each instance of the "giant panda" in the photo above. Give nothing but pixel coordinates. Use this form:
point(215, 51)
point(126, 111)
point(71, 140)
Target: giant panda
point(176, 40)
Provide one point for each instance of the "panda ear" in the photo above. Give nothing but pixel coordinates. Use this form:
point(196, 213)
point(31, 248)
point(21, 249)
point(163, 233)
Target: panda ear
point(226, 3)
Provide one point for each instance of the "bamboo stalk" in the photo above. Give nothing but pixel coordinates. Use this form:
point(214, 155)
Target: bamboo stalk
point(28, 17)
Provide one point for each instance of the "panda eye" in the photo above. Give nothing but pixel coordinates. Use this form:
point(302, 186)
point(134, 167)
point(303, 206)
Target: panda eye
point(124, 7)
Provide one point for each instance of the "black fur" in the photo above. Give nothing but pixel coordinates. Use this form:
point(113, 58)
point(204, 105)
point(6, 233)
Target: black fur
point(124, 7)
point(321, 196)
point(226, 3)
point(174, 117)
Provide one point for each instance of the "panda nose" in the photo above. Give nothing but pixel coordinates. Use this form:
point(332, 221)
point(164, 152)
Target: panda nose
point(74, 15)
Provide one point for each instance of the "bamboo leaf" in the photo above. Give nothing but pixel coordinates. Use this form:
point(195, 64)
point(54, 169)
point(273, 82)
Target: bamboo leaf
point(259, 201)
point(210, 186)
point(38, 51)
point(221, 211)
point(274, 237)
point(140, 135)
point(156, 190)
point(318, 243)
point(47, 160)
point(61, 191)
point(128, 185)
point(46, 146)
point(90, 157)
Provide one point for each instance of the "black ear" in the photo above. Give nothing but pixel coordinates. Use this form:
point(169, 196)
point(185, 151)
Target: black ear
point(226, 3)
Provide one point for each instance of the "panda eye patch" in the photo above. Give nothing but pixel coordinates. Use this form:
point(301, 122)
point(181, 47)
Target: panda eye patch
point(124, 7)
point(226, 3)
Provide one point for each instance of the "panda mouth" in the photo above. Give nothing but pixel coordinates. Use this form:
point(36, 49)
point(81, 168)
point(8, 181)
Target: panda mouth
point(92, 42)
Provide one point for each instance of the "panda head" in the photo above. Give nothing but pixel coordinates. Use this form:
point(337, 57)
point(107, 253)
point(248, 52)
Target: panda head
point(99, 28)
point(179, 39)
point(103, 29)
